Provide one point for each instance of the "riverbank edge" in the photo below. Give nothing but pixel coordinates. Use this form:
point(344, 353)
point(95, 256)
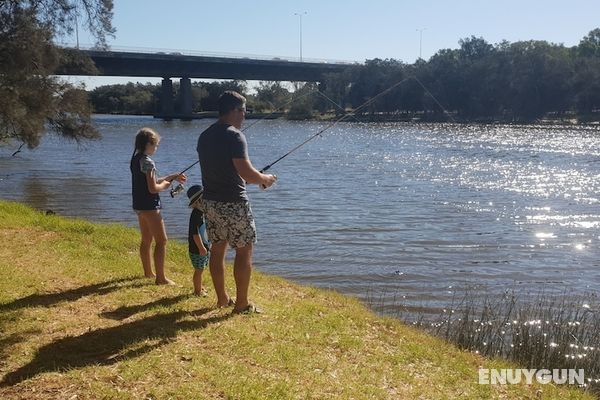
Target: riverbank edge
point(54, 275)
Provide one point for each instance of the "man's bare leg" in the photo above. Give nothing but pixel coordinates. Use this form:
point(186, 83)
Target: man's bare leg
point(216, 266)
point(242, 269)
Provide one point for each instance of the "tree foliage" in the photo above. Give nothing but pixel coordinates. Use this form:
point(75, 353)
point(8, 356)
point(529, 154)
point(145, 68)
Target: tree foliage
point(129, 98)
point(142, 99)
point(519, 81)
point(31, 98)
point(213, 90)
point(270, 96)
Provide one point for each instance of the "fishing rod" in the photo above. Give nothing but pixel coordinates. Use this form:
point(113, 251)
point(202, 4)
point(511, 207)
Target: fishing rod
point(334, 123)
point(180, 187)
point(319, 133)
point(263, 187)
point(353, 115)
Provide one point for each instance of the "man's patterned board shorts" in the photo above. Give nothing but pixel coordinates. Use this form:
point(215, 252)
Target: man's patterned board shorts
point(229, 221)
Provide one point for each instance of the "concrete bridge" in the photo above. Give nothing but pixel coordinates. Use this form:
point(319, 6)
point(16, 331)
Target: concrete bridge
point(184, 66)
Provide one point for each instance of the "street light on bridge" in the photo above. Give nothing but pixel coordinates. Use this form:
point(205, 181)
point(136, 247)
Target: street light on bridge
point(300, 14)
point(420, 41)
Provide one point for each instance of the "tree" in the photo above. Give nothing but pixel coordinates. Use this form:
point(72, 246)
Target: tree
point(539, 79)
point(271, 96)
point(124, 99)
point(305, 101)
point(444, 79)
point(590, 44)
point(337, 88)
point(374, 77)
point(31, 98)
point(481, 77)
point(586, 85)
point(214, 89)
point(198, 92)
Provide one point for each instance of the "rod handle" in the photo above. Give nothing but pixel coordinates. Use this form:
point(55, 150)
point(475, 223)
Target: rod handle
point(263, 187)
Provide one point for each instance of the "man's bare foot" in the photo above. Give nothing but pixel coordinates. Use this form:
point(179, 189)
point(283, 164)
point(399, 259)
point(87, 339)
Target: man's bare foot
point(230, 302)
point(149, 275)
point(166, 281)
point(201, 293)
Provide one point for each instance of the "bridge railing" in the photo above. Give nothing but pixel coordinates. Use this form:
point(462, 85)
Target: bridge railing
point(182, 52)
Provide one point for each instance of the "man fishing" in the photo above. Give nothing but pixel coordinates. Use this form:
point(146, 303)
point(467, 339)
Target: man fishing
point(226, 168)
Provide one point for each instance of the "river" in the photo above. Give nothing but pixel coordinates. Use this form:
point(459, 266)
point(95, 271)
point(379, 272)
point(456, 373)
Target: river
point(402, 215)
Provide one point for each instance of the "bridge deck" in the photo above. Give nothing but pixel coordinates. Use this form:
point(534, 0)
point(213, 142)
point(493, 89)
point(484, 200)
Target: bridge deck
point(113, 63)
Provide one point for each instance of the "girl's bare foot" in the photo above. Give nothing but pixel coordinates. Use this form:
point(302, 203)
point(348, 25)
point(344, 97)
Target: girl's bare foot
point(149, 275)
point(166, 281)
point(201, 293)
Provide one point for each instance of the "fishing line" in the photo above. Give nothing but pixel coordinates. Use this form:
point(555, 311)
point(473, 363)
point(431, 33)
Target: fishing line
point(335, 122)
point(326, 98)
point(279, 108)
point(180, 187)
point(434, 99)
point(337, 105)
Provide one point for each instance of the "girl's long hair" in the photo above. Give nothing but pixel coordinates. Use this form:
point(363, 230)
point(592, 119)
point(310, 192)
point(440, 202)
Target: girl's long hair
point(142, 138)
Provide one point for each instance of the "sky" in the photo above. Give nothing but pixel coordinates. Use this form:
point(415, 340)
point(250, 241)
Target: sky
point(347, 30)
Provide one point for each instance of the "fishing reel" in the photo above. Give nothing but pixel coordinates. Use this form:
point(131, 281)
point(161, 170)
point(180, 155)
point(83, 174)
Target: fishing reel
point(263, 187)
point(177, 190)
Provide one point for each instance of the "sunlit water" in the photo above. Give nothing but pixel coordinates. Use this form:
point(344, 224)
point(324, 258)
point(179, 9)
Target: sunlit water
point(397, 214)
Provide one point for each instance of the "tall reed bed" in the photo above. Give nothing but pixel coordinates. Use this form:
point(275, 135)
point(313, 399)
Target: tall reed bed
point(539, 331)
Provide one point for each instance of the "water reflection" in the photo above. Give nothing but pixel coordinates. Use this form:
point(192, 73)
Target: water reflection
point(36, 193)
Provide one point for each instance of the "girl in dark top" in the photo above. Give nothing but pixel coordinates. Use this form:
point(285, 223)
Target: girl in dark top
point(145, 186)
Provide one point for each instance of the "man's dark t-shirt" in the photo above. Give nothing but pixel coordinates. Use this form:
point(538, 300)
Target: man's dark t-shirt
point(217, 146)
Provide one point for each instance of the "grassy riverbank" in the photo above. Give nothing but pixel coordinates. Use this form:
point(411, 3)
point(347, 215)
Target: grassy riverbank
point(77, 322)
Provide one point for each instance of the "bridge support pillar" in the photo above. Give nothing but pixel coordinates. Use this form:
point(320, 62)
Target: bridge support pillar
point(167, 105)
point(185, 97)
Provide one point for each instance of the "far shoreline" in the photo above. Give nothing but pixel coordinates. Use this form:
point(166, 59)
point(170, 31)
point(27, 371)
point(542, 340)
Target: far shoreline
point(571, 121)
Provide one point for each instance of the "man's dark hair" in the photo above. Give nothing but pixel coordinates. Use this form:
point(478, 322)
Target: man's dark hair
point(229, 101)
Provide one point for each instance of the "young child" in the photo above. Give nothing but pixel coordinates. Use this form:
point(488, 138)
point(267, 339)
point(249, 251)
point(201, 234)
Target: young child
point(145, 186)
point(197, 239)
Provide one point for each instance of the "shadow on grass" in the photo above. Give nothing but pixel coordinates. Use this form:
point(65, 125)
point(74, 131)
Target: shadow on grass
point(124, 312)
point(110, 345)
point(7, 343)
point(49, 299)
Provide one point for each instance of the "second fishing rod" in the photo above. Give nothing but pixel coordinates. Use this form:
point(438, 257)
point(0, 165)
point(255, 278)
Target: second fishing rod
point(180, 187)
point(333, 123)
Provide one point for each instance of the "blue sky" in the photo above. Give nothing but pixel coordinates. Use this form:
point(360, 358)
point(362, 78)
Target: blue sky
point(343, 30)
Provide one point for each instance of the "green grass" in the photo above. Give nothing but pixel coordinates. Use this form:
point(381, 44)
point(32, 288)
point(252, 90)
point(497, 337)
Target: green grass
point(78, 322)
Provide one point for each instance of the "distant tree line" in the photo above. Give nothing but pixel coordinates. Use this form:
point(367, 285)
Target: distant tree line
point(143, 98)
point(478, 81)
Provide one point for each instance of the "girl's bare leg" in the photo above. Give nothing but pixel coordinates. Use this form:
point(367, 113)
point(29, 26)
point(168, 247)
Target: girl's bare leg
point(157, 227)
point(145, 246)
